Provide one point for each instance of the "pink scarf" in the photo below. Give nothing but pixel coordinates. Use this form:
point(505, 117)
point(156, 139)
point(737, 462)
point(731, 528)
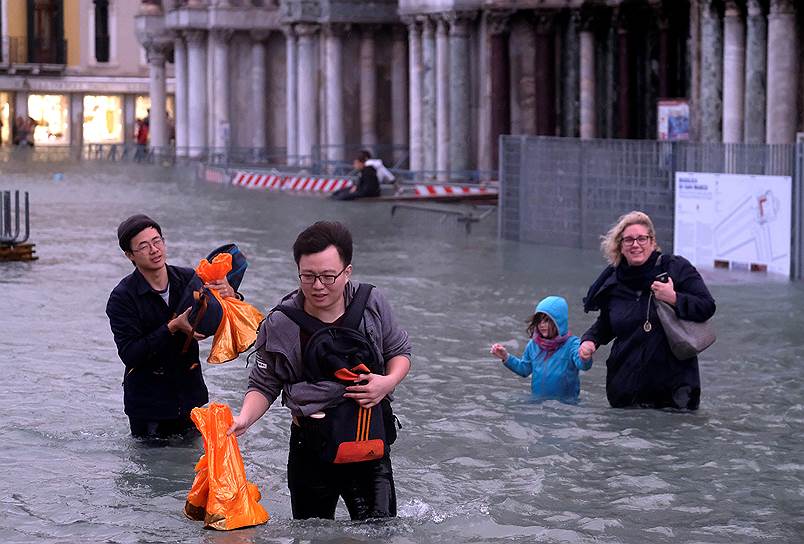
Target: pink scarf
point(549, 345)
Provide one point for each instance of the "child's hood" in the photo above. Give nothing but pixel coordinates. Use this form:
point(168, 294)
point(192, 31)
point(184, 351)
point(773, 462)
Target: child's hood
point(556, 307)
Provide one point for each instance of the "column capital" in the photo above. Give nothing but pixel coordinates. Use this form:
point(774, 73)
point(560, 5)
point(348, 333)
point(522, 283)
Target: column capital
point(155, 52)
point(259, 35)
point(498, 22)
point(428, 25)
point(306, 30)
point(222, 34)
point(755, 8)
point(782, 7)
point(711, 8)
point(459, 22)
point(195, 37)
point(336, 30)
point(732, 8)
point(410, 21)
point(544, 23)
point(586, 19)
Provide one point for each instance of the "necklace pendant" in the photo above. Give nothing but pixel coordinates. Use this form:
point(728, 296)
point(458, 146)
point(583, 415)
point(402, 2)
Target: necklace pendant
point(647, 326)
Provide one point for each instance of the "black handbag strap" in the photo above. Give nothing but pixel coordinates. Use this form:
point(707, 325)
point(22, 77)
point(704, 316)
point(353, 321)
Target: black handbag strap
point(351, 317)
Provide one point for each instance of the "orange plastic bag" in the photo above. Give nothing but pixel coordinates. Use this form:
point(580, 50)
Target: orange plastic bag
point(238, 328)
point(221, 496)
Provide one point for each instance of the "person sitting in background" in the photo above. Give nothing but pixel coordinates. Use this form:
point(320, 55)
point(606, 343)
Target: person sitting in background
point(367, 184)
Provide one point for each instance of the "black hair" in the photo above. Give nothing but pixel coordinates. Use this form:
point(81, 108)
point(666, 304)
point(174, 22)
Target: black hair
point(363, 155)
point(534, 321)
point(319, 236)
point(132, 226)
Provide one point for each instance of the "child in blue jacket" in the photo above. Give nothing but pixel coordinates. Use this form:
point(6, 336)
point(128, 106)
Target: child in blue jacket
point(551, 355)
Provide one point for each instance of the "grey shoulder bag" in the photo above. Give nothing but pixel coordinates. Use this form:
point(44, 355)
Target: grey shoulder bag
point(686, 338)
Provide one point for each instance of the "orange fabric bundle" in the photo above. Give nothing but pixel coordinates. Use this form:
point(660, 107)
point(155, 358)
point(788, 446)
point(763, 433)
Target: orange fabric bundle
point(221, 496)
point(238, 328)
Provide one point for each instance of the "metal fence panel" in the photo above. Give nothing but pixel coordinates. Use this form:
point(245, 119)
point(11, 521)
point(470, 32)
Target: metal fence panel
point(568, 192)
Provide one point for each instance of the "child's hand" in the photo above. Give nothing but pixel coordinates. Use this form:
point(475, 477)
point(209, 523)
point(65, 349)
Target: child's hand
point(586, 350)
point(499, 351)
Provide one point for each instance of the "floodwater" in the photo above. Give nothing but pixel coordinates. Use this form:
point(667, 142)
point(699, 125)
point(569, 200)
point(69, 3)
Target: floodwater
point(476, 461)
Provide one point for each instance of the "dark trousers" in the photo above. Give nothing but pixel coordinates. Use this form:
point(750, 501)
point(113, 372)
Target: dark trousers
point(162, 428)
point(315, 485)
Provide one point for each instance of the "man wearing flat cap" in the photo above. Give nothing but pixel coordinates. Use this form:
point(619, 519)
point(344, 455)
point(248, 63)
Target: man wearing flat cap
point(162, 383)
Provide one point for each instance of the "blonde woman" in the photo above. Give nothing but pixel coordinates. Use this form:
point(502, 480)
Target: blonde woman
point(641, 370)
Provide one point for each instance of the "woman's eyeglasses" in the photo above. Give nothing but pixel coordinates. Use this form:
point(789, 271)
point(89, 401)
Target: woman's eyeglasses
point(641, 240)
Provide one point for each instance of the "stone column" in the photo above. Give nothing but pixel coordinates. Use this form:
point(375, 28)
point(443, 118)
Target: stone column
point(545, 77)
point(307, 90)
point(180, 96)
point(755, 74)
point(222, 127)
point(783, 76)
point(694, 84)
point(623, 78)
point(415, 95)
point(334, 93)
point(291, 94)
point(459, 112)
point(197, 92)
point(711, 72)
point(77, 120)
point(442, 99)
point(587, 86)
point(523, 39)
point(157, 129)
point(399, 93)
point(130, 119)
point(733, 73)
point(499, 30)
point(428, 95)
point(571, 82)
point(664, 50)
point(259, 100)
point(368, 87)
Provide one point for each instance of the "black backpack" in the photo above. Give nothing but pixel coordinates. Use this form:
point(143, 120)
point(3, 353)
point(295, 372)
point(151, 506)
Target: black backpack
point(348, 433)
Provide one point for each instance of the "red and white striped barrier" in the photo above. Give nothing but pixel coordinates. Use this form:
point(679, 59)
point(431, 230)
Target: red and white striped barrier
point(273, 182)
point(214, 175)
point(448, 190)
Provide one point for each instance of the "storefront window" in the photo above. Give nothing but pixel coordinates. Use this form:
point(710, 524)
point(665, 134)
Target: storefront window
point(51, 113)
point(143, 104)
point(5, 117)
point(103, 119)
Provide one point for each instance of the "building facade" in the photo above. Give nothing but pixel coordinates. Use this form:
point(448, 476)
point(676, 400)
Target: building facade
point(440, 80)
point(76, 69)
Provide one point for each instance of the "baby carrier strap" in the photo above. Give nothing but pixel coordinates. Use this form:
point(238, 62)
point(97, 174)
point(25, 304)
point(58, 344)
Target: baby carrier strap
point(351, 317)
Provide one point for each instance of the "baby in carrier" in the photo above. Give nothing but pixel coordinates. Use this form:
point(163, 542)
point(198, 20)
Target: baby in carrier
point(551, 355)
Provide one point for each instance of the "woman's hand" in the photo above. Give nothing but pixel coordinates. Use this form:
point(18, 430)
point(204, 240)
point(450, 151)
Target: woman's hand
point(664, 291)
point(498, 350)
point(222, 287)
point(587, 349)
point(370, 393)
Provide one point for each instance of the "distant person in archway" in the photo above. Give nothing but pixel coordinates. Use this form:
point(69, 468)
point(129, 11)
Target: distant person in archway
point(367, 184)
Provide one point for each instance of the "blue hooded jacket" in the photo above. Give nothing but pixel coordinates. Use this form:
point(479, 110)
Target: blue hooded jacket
point(557, 377)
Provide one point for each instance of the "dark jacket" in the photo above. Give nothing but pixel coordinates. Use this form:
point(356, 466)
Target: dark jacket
point(641, 369)
point(159, 381)
point(367, 182)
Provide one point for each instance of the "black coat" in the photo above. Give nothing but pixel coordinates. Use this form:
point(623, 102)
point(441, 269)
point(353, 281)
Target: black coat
point(641, 369)
point(159, 381)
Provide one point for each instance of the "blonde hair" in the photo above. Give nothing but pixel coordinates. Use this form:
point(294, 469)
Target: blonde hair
point(610, 243)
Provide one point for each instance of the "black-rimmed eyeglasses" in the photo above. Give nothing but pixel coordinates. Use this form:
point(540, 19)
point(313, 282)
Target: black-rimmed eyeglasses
point(308, 278)
point(156, 243)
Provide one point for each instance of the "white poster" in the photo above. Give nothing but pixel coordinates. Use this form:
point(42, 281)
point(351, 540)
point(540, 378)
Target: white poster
point(741, 222)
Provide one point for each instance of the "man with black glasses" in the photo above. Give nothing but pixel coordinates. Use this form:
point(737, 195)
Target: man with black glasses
point(323, 254)
point(162, 382)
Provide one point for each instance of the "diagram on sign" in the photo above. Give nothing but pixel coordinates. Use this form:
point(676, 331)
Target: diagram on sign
point(745, 232)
